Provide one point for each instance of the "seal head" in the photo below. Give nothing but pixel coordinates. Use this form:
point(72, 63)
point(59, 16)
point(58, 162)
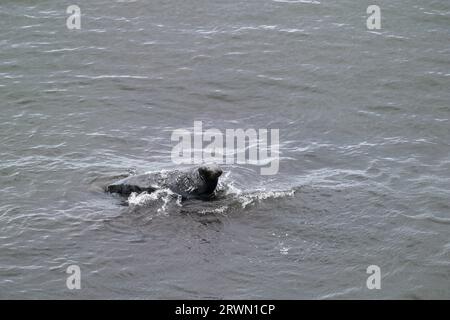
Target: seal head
point(210, 172)
point(209, 177)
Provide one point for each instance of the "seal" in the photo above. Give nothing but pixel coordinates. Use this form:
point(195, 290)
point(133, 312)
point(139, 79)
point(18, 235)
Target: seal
point(197, 183)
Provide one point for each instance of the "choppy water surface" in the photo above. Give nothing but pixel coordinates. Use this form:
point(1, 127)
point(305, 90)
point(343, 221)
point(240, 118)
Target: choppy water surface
point(364, 133)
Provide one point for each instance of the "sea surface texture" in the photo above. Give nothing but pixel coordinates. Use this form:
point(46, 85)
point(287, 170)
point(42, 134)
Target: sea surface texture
point(364, 131)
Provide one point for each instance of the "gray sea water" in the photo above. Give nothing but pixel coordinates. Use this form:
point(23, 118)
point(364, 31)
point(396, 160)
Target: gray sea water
point(364, 119)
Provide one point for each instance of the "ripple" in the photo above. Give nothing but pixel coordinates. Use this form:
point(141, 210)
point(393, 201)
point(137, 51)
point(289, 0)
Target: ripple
point(298, 1)
point(429, 217)
point(111, 76)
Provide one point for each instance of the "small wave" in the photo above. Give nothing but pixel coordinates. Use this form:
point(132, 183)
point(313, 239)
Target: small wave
point(112, 76)
point(298, 1)
point(62, 50)
point(429, 217)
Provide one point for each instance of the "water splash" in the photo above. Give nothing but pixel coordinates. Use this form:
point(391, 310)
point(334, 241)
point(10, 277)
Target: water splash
point(162, 198)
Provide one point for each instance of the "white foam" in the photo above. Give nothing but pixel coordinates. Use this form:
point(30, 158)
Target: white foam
point(263, 195)
point(221, 210)
point(148, 199)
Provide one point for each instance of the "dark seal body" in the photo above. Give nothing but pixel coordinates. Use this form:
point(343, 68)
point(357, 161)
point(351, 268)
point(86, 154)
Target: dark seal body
point(199, 183)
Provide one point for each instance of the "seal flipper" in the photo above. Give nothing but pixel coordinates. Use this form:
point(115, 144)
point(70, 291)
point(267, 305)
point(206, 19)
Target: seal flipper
point(132, 184)
point(127, 189)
